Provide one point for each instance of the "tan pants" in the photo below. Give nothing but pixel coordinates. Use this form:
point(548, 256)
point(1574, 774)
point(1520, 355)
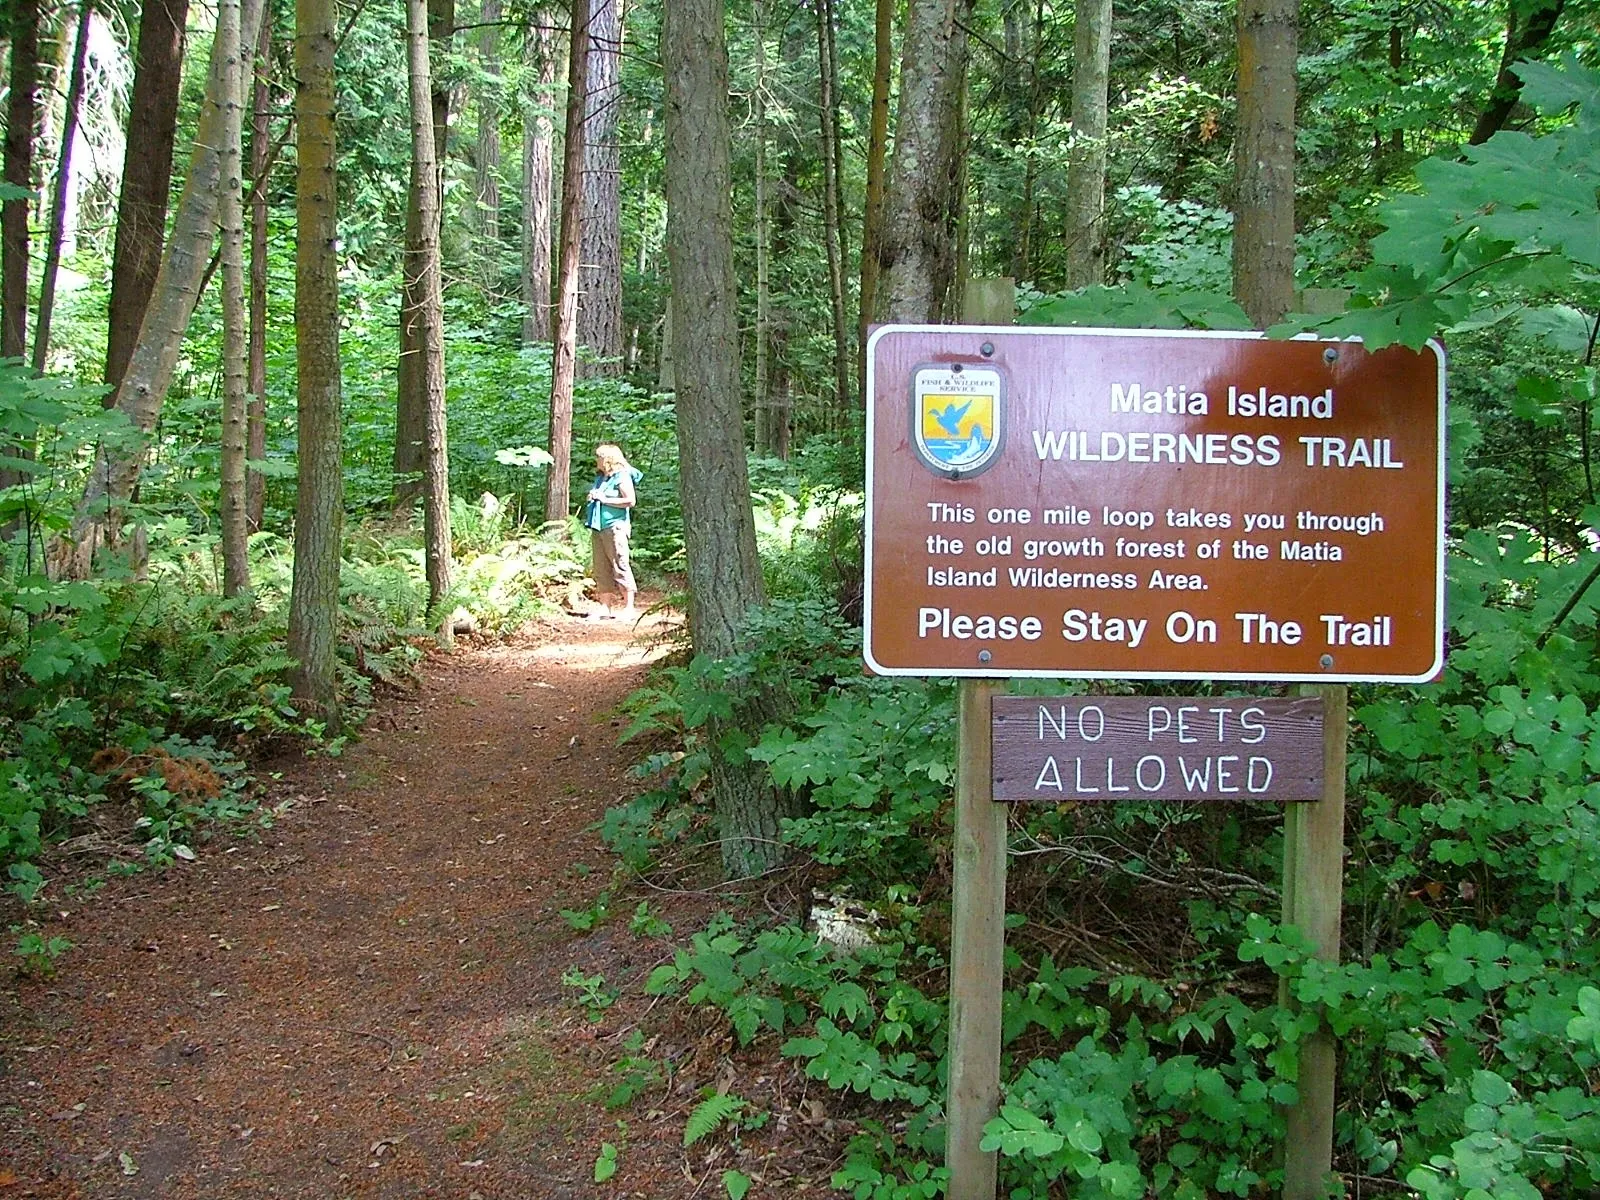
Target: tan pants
point(612, 573)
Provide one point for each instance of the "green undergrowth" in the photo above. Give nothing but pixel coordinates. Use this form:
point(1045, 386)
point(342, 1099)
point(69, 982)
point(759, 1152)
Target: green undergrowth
point(1145, 1050)
point(131, 709)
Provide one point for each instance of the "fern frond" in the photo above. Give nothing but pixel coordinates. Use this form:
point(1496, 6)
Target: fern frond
point(709, 1116)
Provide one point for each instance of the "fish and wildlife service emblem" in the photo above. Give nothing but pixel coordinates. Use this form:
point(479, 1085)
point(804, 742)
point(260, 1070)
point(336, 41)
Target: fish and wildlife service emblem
point(957, 418)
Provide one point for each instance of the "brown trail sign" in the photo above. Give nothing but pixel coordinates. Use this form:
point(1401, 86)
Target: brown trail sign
point(1141, 504)
point(1130, 504)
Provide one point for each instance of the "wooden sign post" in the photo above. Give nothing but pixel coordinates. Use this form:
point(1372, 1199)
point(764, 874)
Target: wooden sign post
point(977, 951)
point(1148, 505)
point(1313, 891)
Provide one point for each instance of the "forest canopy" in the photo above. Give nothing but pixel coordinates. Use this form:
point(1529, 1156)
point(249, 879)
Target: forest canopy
point(312, 316)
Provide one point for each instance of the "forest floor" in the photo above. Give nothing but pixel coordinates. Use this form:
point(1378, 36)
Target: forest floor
point(368, 998)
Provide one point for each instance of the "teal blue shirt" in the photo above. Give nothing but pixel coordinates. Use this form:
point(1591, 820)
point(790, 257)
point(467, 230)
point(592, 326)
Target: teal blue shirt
point(602, 516)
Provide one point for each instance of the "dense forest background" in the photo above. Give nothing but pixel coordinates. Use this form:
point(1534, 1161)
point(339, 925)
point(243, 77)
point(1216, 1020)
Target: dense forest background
point(307, 347)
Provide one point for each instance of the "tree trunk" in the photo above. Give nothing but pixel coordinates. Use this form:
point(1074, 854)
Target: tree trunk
point(427, 318)
point(1528, 26)
point(563, 368)
point(58, 199)
point(538, 138)
point(144, 384)
point(1086, 167)
point(22, 114)
point(411, 385)
point(1263, 226)
point(411, 400)
point(255, 491)
point(831, 233)
point(146, 179)
point(319, 507)
point(235, 533)
point(719, 528)
point(877, 154)
point(780, 386)
point(600, 300)
point(761, 427)
point(917, 254)
point(489, 140)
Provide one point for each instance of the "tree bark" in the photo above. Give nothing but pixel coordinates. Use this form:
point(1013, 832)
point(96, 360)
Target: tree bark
point(1263, 226)
point(832, 234)
point(144, 384)
point(411, 395)
point(780, 385)
point(1524, 35)
point(877, 157)
point(235, 531)
point(255, 491)
point(719, 528)
point(319, 507)
point(762, 425)
point(488, 174)
point(1086, 167)
point(146, 179)
point(427, 318)
point(563, 368)
point(58, 199)
point(600, 292)
point(22, 114)
point(538, 139)
point(917, 254)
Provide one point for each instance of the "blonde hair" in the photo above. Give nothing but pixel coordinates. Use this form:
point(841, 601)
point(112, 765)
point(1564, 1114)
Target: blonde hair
point(609, 456)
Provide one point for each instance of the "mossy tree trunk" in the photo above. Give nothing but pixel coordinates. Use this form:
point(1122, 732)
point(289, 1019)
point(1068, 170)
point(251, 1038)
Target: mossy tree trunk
point(319, 507)
point(719, 527)
point(426, 317)
point(564, 366)
point(235, 350)
point(1263, 221)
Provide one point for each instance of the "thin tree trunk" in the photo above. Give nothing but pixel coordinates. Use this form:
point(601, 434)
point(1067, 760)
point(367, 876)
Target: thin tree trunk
point(762, 425)
point(831, 233)
point(1263, 226)
point(58, 199)
point(877, 157)
point(600, 292)
point(719, 528)
point(255, 490)
point(235, 533)
point(1086, 166)
point(841, 203)
point(489, 140)
point(563, 371)
point(411, 402)
point(427, 319)
point(319, 509)
point(146, 179)
point(22, 115)
point(538, 138)
point(1528, 26)
point(917, 256)
point(411, 396)
point(144, 384)
point(781, 386)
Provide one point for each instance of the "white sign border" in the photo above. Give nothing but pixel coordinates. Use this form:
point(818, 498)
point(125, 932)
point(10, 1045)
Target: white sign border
point(981, 331)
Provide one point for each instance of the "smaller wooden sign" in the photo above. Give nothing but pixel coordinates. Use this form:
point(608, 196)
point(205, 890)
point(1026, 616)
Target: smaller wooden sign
point(1127, 749)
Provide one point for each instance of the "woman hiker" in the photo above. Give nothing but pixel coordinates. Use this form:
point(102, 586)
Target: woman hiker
point(607, 516)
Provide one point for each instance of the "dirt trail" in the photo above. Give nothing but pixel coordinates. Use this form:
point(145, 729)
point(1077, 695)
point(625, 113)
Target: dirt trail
point(367, 1001)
